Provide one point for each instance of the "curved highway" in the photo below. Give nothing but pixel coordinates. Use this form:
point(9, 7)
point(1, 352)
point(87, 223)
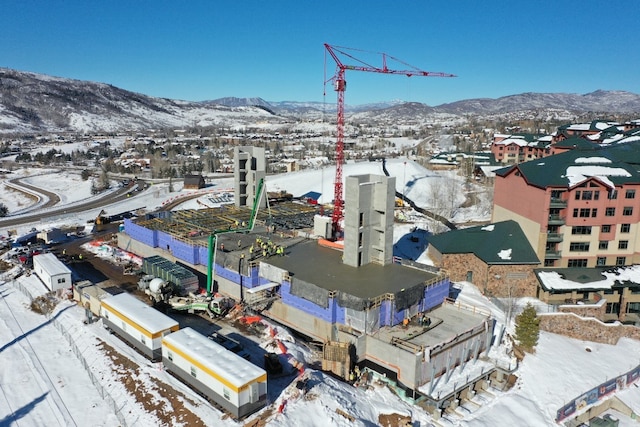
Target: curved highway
point(42, 216)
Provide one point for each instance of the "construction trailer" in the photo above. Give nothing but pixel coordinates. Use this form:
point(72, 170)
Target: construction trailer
point(235, 384)
point(137, 323)
point(53, 273)
point(89, 296)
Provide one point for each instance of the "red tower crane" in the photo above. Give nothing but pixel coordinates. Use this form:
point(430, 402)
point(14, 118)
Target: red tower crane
point(340, 85)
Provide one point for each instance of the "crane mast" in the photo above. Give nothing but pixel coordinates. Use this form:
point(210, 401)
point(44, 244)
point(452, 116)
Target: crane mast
point(340, 85)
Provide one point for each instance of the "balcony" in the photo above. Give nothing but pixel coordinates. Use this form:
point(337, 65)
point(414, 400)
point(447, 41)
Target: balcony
point(556, 220)
point(557, 203)
point(554, 237)
point(552, 254)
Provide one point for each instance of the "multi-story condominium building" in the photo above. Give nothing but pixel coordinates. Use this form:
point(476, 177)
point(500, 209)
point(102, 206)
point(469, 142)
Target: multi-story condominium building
point(578, 208)
point(518, 148)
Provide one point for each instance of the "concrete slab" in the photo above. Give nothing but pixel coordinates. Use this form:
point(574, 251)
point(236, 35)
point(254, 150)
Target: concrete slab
point(323, 267)
point(447, 322)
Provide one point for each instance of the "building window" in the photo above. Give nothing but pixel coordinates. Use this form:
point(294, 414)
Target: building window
point(621, 260)
point(610, 212)
point(361, 219)
point(587, 195)
point(601, 261)
point(575, 213)
point(603, 244)
point(613, 307)
point(633, 307)
point(613, 194)
point(630, 194)
point(594, 212)
point(606, 228)
point(194, 374)
point(577, 263)
point(142, 340)
point(581, 229)
point(578, 246)
point(627, 211)
point(226, 393)
point(61, 280)
point(578, 195)
point(549, 262)
point(623, 244)
point(596, 195)
point(170, 356)
point(585, 212)
point(625, 228)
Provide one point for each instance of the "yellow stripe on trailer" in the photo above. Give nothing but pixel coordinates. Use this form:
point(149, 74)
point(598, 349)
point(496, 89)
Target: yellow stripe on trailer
point(134, 325)
point(203, 368)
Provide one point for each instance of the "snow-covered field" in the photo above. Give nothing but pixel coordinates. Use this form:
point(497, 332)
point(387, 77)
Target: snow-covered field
point(43, 382)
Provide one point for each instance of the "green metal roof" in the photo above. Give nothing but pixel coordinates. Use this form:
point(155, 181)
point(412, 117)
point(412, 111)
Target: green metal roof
point(576, 142)
point(607, 162)
point(498, 243)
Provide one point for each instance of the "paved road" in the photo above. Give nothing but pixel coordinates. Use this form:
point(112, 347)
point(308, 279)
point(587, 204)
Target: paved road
point(42, 216)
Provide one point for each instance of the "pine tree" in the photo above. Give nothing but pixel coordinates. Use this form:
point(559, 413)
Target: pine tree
point(528, 328)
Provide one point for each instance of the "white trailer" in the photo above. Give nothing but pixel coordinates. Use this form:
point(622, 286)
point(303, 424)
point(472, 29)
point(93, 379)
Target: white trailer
point(53, 273)
point(139, 324)
point(225, 378)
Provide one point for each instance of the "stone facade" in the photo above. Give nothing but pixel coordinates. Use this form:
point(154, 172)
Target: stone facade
point(587, 329)
point(501, 280)
point(597, 311)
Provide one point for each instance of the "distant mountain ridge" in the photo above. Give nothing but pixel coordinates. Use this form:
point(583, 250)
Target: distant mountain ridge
point(31, 103)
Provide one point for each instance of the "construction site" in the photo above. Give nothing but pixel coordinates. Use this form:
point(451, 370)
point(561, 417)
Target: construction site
point(350, 296)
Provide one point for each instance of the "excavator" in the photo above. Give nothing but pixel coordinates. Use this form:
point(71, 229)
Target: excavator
point(101, 220)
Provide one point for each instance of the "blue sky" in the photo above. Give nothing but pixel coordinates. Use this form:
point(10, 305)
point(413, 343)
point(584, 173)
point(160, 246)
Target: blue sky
point(198, 50)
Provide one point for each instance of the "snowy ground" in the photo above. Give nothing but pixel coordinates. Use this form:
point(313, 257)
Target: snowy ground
point(43, 380)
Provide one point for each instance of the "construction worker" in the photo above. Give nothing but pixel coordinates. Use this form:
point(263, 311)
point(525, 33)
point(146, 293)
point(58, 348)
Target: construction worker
point(405, 322)
point(251, 249)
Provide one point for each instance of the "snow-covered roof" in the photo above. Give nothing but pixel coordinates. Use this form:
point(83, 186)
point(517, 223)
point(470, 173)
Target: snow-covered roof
point(220, 361)
point(555, 280)
point(577, 174)
point(51, 264)
point(147, 317)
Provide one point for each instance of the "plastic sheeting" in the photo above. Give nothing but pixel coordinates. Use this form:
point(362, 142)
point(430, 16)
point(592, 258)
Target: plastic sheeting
point(349, 301)
point(271, 273)
point(310, 292)
point(364, 321)
point(408, 297)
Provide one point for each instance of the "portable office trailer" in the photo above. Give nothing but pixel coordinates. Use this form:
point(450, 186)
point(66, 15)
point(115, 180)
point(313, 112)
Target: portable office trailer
point(235, 384)
point(89, 296)
point(53, 273)
point(139, 324)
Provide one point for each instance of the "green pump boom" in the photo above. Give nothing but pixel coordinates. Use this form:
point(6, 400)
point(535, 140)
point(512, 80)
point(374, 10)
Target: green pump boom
point(213, 236)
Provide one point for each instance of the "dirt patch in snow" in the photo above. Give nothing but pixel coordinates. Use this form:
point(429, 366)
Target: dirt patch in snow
point(394, 420)
point(156, 397)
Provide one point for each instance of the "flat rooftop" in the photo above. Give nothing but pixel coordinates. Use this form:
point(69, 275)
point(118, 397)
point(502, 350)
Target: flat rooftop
point(447, 322)
point(323, 267)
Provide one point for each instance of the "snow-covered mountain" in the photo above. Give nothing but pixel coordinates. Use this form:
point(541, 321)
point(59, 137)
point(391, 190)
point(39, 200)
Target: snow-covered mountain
point(31, 102)
point(613, 101)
